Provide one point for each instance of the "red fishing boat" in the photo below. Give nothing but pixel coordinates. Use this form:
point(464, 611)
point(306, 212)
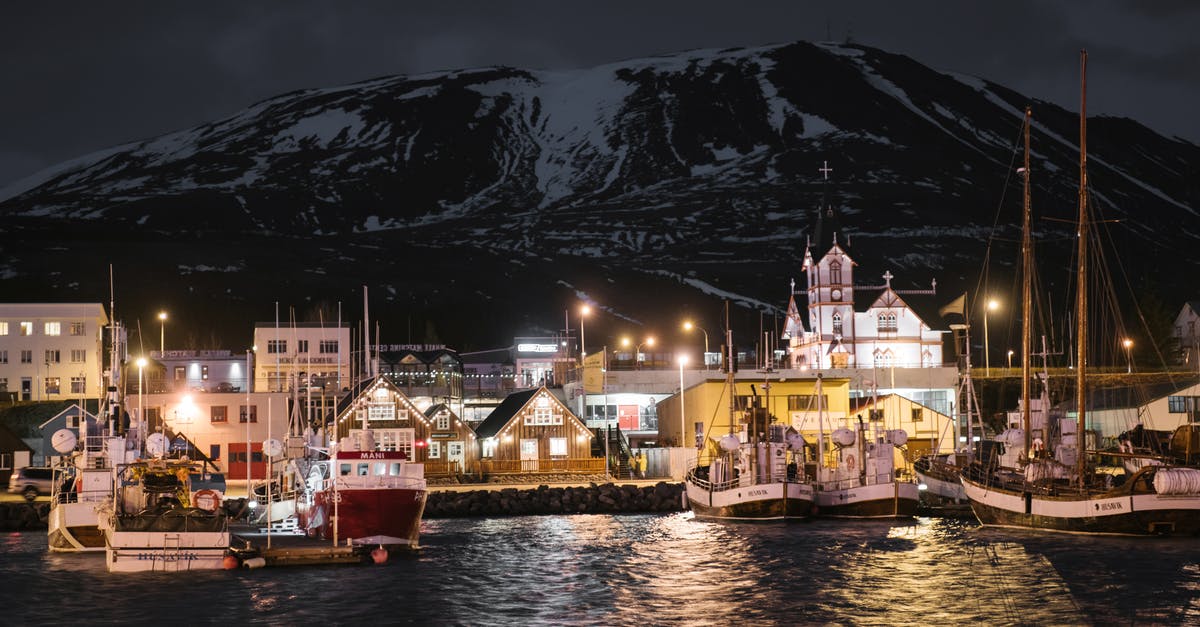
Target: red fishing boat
point(359, 495)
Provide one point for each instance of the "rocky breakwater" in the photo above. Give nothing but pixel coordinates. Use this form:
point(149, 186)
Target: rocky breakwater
point(23, 516)
point(593, 499)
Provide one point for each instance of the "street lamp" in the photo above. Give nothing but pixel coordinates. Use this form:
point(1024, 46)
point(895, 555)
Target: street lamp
point(688, 326)
point(1010, 359)
point(583, 312)
point(637, 351)
point(141, 364)
point(162, 331)
point(682, 421)
point(1128, 344)
point(992, 305)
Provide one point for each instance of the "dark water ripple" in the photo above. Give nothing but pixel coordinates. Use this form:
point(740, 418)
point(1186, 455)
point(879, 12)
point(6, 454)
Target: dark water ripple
point(647, 570)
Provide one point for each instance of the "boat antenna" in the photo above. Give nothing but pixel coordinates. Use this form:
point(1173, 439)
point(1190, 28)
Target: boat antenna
point(1026, 289)
point(730, 365)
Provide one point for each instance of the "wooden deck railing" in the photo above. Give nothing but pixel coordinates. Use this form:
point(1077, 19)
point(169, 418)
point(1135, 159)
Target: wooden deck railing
point(586, 465)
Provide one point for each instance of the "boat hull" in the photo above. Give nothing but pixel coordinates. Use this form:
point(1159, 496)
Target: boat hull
point(1107, 513)
point(158, 551)
point(388, 517)
point(762, 502)
point(74, 528)
point(941, 482)
point(896, 499)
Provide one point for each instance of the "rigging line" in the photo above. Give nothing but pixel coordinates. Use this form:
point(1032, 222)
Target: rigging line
point(982, 282)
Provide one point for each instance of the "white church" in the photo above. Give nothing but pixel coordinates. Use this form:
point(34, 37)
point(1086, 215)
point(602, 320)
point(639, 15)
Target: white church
point(889, 334)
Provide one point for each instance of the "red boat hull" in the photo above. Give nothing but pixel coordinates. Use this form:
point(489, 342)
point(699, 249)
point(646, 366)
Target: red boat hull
point(387, 517)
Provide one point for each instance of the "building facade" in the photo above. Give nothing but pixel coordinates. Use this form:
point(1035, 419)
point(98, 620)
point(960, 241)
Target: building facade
point(300, 356)
point(52, 351)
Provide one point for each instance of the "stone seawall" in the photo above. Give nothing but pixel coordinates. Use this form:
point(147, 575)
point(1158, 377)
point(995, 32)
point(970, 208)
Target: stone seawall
point(593, 499)
point(23, 516)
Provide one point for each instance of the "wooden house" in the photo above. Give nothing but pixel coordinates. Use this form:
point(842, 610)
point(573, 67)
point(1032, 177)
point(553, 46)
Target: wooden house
point(534, 432)
point(453, 448)
point(396, 422)
point(928, 431)
point(14, 453)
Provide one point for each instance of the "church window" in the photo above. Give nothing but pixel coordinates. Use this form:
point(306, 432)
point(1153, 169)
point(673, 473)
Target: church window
point(835, 273)
point(887, 322)
point(837, 324)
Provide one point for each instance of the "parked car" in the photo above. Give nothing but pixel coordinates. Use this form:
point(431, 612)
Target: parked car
point(31, 481)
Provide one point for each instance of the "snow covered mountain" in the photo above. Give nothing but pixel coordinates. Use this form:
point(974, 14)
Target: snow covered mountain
point(478, 204)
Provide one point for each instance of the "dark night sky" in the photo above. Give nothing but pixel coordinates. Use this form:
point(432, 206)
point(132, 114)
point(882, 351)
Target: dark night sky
point(82, 76)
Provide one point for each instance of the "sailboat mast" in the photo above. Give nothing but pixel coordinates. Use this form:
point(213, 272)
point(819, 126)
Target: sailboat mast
point(1026, 291)
point(1081, 287)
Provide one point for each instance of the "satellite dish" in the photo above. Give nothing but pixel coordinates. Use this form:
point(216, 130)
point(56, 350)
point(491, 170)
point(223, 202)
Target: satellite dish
point(157, 444)
point(273, 448)
point(729, 443)
point(64, 441)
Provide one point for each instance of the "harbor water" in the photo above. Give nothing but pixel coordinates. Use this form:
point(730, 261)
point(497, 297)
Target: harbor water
point(667, 569)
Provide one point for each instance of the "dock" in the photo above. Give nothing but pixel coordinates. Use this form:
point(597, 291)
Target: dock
point(281, 548)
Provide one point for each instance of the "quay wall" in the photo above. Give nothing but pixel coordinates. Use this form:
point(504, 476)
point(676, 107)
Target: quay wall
point(21, 516)
point(592, 499)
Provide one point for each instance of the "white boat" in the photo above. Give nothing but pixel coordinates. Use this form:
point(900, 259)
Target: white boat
point(156, 522)
point(862, 481)
point(1053, 484)
point(751, 480)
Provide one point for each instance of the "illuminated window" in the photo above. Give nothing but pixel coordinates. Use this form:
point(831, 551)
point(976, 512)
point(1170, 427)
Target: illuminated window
point(53, 328)
point(77, 328)
point(218, 413)
point(78, 385)
point(52, 385)
point(395, 440)
point(558, 447)
point(489, 447)
point(204, 373)
point(381, 411)
point(26, 328)
point(3, 328)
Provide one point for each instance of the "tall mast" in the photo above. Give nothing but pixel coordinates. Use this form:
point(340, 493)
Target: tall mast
point(730, 356)
point(1081, 287)
point(1026, 290)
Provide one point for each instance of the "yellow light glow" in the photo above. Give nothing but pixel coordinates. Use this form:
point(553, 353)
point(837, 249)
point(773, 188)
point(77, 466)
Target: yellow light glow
point(162, 315)
point(993, 305)
point(1127, 343)
point(141, 362)
point(585, 310)
point(683, 359)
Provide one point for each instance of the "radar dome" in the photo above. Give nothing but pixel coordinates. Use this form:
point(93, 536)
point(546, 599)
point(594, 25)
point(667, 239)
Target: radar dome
point(64, 441)
point(730, 443)
point(157, 444)
point(843, 437)
point(273, 448)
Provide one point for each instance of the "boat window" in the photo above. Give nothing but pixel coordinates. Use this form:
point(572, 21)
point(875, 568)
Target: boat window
point(345, 469)
point(363, 468)
point(395, 469)
point(380, 469)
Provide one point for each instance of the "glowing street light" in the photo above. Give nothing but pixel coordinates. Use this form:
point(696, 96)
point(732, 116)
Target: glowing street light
point(688, 326)
point(583, 313)
point(682, 421)
point(162, 331)
point(1128, 344)
point(1010, 354)
point(637, 351)
point(992, 305)
point(141, 364)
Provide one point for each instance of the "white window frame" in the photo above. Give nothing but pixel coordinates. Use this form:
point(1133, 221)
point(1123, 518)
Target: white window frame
point(558, 447)
point(435, 450)
point(443, 421)
point(381, 411)
point(52, 328)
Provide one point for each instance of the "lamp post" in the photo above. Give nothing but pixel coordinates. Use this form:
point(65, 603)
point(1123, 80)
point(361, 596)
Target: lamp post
point(682, 421)
point(992, 305)
point(688, 326)
point(141, 364)
point(637, 351)
point(1010, 353)
point(162, 332)
point(1128, 344)
point(583, 312)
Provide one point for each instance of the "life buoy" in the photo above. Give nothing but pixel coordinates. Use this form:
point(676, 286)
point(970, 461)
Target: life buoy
point(850, 462)
point(208, 500)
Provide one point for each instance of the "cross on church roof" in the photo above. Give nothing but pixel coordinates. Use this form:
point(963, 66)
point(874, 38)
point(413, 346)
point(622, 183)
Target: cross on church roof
point(887, 276)
point(825, 169)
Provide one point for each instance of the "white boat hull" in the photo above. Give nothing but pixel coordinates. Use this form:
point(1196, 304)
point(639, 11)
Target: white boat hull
point(760, 502)
point(895, 499)
point(74, 528)
point(164, 551)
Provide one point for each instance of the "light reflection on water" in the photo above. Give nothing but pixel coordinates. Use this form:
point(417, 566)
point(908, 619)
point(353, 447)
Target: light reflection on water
point(652, 570)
